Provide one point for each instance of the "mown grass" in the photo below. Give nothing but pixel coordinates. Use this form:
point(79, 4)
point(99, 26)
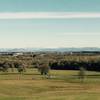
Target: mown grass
point(63, 85)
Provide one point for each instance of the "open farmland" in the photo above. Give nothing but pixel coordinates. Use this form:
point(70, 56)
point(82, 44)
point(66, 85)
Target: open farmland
point(63, 85)
point(20, 78)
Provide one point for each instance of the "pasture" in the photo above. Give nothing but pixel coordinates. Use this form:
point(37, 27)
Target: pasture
point(63, 85)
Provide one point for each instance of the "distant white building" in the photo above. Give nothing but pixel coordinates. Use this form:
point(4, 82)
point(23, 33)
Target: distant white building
point(18, 54)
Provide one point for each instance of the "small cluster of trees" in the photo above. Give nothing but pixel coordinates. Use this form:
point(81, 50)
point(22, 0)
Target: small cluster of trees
point(43, 68)
point(4, 66)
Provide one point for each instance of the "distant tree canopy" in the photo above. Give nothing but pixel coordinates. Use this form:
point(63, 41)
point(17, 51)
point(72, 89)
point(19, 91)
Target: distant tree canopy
point(58, 61)
point(74, 65)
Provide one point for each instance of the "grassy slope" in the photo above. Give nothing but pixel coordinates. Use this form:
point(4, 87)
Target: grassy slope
point(22, 87)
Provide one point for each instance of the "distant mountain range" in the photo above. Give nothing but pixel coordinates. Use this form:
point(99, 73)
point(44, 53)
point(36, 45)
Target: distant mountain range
point(91, 49)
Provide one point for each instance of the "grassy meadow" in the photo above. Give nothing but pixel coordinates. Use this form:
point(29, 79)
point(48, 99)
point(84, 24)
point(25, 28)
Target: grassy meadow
point(63, 85)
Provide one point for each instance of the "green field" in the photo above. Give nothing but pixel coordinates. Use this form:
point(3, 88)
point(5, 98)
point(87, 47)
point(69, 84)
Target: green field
point(63, 85)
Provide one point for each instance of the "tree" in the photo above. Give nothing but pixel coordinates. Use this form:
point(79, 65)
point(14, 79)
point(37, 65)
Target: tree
point(5, 66)
point(44, 68)
point(82, 74)
point(19, 67)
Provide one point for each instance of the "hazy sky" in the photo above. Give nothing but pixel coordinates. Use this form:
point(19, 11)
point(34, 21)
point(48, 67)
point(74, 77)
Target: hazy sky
point(49, 23)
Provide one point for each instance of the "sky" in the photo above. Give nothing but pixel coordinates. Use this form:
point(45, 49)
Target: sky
point(49, 23)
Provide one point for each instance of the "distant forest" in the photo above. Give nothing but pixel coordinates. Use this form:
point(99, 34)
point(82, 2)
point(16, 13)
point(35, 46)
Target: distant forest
point(55, 60)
